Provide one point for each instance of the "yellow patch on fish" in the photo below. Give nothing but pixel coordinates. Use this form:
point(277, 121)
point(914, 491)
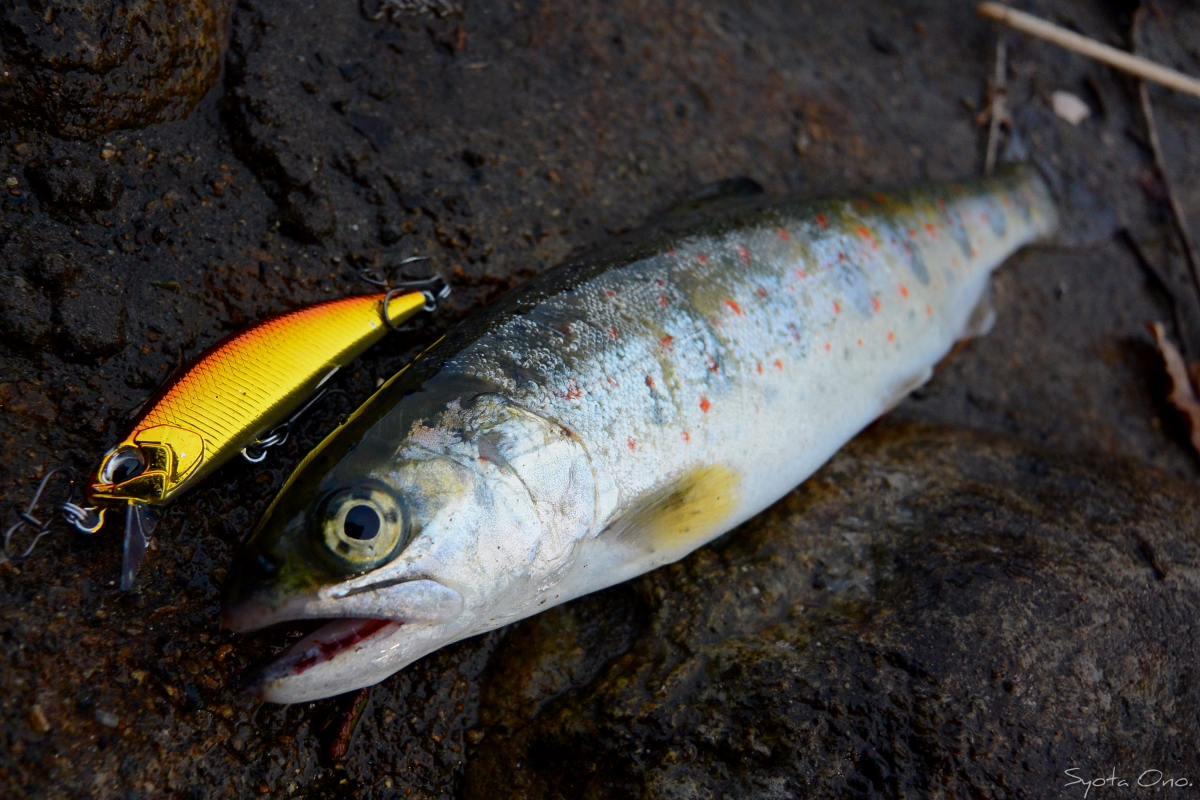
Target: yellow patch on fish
point(682, 514)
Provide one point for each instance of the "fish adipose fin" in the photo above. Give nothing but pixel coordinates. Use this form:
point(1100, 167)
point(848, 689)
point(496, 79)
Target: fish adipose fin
point(681, 515)
point(715, 193)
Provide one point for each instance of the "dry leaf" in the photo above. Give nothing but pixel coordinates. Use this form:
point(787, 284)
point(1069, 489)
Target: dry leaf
point(1183, 394)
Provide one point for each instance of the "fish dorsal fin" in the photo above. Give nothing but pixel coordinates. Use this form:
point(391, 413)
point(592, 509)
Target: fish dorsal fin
point(681, 515)
point(714, 194)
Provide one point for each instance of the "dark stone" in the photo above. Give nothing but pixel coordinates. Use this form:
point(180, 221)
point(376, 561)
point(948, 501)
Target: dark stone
point(71, 183)
point(981, 626)
point(24, 311)
point(82, 68)
point(91, 321)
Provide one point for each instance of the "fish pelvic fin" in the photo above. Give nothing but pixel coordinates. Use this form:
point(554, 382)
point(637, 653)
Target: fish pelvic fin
point(682, 515)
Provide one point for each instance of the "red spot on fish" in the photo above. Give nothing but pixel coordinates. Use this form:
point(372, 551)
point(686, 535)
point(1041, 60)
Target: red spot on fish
point(659, 282)
point(667, 342)
point(866, 234)
point(1005, 201)
point(761, 292)
point(671, 252)
point(863, 202)
point(632, 444)
point(735, 308)
point(802, 273)
point(778, 364)
point(760, 368)
point(828, 346)
point(782, 234)
point(929, 310)
point(841, 256)
point(703, 259)
point(875, 304)
point(891, 336)
point(650, 381)
point(860, 342)
point(712, 362)
point(743, 254)
point(912, 234)
point(903, 291)
point(881, 197)
point(983, 217)
point(611, 380)
point(482, 458)
point(705, 405)
point(662, 300)
point(954, 261)
point(941, 204)
point(323, 651)
point(610, 293)
point(573, 391)
point(932, 232)
point(974, 254)
point(686, 437)
point(612, 333)
point(837, 307)
point(821, 221)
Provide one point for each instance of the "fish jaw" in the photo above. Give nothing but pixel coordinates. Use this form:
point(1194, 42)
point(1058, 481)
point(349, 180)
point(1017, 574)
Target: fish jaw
point(346, 655)
point(370, 634)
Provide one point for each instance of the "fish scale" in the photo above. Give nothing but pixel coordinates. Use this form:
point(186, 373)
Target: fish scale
point(615, 414)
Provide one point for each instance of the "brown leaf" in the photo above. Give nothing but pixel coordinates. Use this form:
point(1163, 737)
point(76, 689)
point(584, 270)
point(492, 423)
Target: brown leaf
point(1183, 394)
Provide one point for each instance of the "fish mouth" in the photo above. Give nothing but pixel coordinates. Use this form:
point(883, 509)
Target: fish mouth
point(366, 636)
point(328, 642)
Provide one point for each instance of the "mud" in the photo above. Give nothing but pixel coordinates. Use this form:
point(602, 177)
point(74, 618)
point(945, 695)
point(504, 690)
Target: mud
point(252, 159)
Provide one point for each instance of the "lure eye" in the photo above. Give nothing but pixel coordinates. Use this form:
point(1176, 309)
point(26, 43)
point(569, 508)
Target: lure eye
point(123, 465)
point(364, 526)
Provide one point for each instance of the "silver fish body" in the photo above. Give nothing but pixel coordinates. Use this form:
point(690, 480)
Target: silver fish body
point(615, 414)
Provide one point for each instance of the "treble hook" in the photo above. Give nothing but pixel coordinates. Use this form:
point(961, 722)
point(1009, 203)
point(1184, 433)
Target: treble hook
point(433, 289)
point(87, 520)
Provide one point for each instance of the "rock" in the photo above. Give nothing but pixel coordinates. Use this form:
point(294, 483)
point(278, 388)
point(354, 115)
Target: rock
point(935, 613)
point(71, 183)
point(91, 321)
point(81, 68)
point(24, 311)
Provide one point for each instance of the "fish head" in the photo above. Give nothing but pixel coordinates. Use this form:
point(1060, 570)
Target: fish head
point(150, 465)
point(404, 548)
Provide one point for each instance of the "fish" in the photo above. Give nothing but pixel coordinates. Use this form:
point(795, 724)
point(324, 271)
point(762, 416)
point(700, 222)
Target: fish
point(238, 396)
point(614, 414)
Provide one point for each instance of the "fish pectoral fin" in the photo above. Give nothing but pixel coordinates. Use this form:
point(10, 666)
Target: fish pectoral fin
point(681, 515)
point(982, 319)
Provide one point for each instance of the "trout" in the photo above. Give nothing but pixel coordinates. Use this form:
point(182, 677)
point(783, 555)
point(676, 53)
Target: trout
point(615, 414)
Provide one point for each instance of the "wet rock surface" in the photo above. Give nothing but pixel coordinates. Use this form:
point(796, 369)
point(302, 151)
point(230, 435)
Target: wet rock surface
point(496, 140)
point(80, 68)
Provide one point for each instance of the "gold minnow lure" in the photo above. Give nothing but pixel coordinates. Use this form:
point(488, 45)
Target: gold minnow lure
point(239, 396)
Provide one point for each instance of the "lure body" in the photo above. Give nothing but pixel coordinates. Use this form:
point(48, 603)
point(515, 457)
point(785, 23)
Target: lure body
point(614, 415)
point(233, 393)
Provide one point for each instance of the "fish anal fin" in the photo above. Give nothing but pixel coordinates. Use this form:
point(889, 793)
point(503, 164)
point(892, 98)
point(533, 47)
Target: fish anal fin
point(683, 514)
point(982, 319)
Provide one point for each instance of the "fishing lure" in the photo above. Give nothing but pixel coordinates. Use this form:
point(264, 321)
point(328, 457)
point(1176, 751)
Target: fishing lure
point(239, 396)
point(614, 415)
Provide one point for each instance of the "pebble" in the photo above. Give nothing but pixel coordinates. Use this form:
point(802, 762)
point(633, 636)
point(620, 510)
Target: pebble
point(107, 719)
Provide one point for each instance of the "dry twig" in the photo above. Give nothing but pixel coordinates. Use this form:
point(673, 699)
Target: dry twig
point(999, 112)
point(1136, 65)
point(1183, 393)
point(1189, 246)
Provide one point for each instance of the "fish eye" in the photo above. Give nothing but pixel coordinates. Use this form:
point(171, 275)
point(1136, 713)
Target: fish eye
point(364, 526)
point(361, 523)
point(123, 465)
